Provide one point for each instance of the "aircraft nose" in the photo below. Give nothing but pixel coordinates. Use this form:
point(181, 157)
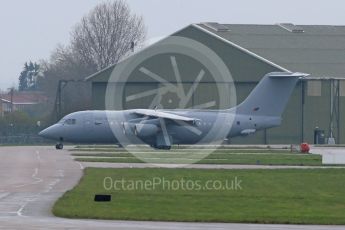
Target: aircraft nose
point(44, 132)
point(49, 132)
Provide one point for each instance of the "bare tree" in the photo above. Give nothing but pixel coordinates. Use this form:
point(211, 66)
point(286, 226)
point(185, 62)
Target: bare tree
point(106, 34)
point(64, 64)
point(100, 39)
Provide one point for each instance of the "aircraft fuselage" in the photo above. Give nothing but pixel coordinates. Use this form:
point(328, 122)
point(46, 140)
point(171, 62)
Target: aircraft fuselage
point(107, 127)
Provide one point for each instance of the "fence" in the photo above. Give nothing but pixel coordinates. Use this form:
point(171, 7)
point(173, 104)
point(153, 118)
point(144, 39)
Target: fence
point(23, 140)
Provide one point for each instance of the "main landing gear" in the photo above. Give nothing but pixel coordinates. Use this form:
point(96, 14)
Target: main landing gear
point(164, 147)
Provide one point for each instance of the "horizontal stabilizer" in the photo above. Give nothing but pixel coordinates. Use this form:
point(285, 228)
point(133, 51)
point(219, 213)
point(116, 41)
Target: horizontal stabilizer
point(287, 74)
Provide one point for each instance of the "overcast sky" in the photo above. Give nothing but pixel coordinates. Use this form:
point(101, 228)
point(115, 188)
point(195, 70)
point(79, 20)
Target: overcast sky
point(30, 30)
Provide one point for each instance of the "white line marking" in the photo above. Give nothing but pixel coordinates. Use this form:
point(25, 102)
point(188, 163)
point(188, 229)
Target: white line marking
point(80, 165)
point(34, 174)
point(21, 185)
point(38, 156)
point(77, 162)
point(20, 210)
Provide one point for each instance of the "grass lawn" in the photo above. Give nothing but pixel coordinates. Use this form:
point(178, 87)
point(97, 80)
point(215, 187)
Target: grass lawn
point(300, 196)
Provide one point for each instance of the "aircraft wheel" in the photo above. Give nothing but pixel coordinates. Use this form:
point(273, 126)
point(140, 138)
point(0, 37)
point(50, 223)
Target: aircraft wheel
point(59, 146)
point(165, 147)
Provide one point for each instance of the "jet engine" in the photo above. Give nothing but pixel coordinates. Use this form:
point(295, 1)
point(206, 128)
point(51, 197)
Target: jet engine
point(145, 130)
point(128, 128)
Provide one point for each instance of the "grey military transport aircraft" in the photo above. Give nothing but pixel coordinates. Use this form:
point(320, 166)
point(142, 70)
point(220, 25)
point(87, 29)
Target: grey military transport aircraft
point(160, 129)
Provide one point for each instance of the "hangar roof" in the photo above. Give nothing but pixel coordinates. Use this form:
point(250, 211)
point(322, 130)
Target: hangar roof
point(315, 49)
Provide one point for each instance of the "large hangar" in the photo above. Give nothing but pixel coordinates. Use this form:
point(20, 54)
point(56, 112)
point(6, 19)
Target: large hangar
point(249, 52)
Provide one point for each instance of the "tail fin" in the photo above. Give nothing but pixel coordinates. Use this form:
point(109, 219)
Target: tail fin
point(270, 96)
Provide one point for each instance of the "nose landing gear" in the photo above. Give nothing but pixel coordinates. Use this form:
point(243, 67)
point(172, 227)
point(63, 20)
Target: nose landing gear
point(59, 145)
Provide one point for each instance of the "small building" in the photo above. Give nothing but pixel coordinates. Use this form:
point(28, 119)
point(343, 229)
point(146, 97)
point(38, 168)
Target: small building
point(21, 101)
point(249, 52)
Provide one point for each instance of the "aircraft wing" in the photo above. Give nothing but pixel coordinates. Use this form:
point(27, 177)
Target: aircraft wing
point(165, 115)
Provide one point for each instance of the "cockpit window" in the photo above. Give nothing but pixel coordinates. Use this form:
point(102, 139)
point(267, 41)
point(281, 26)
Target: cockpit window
point(70, 121)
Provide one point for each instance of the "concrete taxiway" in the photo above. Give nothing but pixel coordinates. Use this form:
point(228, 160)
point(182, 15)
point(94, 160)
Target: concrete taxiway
point(330, 155)
point(32, 179)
